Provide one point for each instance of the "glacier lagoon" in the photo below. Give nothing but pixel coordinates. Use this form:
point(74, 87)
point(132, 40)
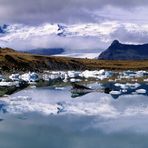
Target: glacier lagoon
point(52, 117)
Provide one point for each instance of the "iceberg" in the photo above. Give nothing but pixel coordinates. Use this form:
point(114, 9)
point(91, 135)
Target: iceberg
point(141, 91)
point(14, 77)
point(30, 77)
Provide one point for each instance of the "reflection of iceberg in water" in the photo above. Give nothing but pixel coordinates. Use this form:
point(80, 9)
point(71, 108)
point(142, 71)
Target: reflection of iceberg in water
point(2, 107)
point(79, 90)
point(116, 90)
point(119, 89)
point(75, 94)
point(98, 101)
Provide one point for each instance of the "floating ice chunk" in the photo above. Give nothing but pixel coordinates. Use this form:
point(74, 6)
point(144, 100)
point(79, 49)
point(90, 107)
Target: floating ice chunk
point(88, 74)
point(59, 88)
point(101, 74)
point(32, 86)
point(14, 77)
point(30, 77)
point(133, 86)
point(133, 74)
point(124, 90)
point(1, 78)
point(73, 74)
point(123, 86)
point(75, 80)
point(65, 80)
point(115, 92)
point(110, 80)
point(66, 76)
point(45, 77)
point(145, 80)
point(6, 84)
point(128, 85)
point(25, 77)
point(54, 75)
point(141, 91)
point(140, 73)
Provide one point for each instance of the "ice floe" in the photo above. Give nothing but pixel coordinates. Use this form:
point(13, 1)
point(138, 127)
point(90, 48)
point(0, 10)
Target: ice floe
point(115, 92)
point(100, 74)
point(1, 78)
point(127, 85)
point(30, 77)
point(8, 84)
point(141, 91)
point(14, 77)
point(112, 76)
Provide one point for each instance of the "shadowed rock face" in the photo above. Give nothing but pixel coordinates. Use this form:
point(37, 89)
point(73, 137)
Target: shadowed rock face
point(119, 51)
point(45, 51)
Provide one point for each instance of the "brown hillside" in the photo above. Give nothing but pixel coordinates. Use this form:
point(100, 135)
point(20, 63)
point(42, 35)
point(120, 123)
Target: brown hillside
point(10, 60)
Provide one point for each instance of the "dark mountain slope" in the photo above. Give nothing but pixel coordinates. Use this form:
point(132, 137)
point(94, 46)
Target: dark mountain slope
point(119, 51)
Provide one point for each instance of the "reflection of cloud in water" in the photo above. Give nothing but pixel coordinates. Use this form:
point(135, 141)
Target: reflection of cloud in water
point(97, 112)
point(136, 124)
point(51, 101)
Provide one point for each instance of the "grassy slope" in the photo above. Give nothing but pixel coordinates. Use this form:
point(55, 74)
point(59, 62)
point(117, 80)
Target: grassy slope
point(11, 60)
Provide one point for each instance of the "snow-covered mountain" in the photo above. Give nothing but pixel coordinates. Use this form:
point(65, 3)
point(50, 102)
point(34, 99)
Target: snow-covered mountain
point(103, 30)
point(24, 31)
point(88, 36)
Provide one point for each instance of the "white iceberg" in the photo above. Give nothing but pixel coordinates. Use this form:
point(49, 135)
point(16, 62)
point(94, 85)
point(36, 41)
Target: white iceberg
point(30, 77)
point(8, 84)
point(115, 92)
point(14, 77)
point(141, 91)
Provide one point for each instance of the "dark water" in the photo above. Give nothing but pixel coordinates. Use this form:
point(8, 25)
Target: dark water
point(51, 118)
point(72, 131)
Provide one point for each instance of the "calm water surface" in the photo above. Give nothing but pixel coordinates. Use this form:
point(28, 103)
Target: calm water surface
point(51, 118)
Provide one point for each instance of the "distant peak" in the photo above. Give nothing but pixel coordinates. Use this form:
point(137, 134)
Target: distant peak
point(5, 26)
point(61, 26)
point(115, 42)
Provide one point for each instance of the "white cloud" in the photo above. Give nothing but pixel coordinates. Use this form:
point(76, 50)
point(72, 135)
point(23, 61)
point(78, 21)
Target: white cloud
point(68, 11)
point(73, 37)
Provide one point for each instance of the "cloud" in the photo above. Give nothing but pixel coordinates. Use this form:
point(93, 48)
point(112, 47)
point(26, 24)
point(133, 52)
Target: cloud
point(68, 43)
point(131, 33)
point(66, 11)
point(78, 37)
point(74, 37)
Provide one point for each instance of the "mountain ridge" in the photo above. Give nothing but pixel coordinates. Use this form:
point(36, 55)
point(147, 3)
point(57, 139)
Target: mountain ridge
point(119, 51)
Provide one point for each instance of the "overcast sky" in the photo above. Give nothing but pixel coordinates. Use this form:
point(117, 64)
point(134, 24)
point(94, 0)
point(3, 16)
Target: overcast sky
point(72, 11)
point(126, 21)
